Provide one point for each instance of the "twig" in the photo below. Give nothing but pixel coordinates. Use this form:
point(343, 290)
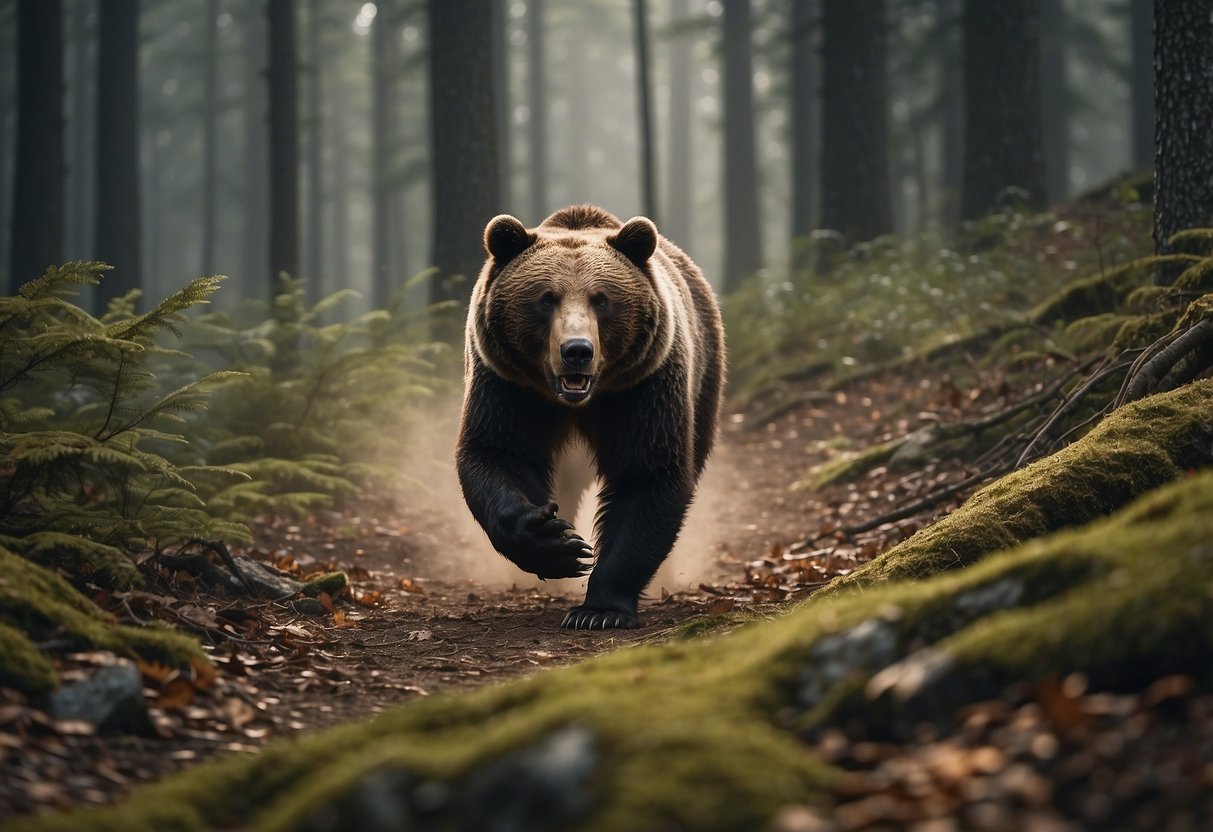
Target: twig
point(929, 501)
point(1066, 407)
point(220, 548)
point(1157, 367)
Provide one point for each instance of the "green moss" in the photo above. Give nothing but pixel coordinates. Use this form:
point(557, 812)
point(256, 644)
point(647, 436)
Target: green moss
point(38, 605)
point(108, 566)
point(1198, 241)
point(1198, 310)
point(1106, 292)
point(1095, 332)
point(330, 582)
point(848, 467)
point(1143, 330)
point(1197, 278)
point(1137, 448)
point(22, 667)
point(1150, 299)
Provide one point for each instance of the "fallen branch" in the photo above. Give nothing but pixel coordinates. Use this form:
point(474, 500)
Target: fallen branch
point(1153, 371)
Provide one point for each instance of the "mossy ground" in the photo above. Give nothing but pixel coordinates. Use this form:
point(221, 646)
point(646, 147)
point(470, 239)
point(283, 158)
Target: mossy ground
point(1137, 448)
point(704, 733)
point(37, 605)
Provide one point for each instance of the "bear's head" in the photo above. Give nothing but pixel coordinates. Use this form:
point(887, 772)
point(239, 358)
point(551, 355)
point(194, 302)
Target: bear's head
point(572, 307)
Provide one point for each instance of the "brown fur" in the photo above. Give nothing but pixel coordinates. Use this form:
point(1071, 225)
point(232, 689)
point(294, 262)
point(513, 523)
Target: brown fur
point(649, 419)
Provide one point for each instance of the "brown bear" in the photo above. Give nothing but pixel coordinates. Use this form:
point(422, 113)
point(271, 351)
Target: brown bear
point(588, 329)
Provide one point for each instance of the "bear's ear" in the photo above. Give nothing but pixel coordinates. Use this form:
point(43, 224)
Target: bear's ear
point(505, 238)
point(637, 240)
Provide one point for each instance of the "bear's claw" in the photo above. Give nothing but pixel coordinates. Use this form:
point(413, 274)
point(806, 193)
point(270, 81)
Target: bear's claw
point(581, 618)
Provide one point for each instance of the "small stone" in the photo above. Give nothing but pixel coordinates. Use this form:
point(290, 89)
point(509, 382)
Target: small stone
point(109, 697)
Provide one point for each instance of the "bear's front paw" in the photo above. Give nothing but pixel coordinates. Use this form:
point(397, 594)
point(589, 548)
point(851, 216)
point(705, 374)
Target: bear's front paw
point(589, 618)
point(547, 546)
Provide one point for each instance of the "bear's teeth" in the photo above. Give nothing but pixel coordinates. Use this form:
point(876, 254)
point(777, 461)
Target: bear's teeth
point(575, 384)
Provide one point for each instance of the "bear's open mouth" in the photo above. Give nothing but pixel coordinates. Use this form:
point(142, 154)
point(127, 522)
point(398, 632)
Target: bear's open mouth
point(573, 387)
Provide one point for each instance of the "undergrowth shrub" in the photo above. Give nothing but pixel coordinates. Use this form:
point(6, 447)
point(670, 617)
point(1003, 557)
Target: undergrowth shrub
point(87, 429)
point(892, 298)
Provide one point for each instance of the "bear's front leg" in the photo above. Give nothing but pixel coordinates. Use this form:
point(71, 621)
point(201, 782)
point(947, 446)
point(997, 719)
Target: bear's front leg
point(504, 461)
point(639, 521)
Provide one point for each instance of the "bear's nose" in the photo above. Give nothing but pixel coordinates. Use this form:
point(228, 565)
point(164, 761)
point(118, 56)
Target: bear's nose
point(577, 353)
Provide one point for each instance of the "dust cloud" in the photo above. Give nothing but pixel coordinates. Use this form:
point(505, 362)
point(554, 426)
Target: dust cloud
point(450, 545)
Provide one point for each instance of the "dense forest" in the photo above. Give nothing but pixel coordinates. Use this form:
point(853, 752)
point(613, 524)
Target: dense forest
point(950, 562)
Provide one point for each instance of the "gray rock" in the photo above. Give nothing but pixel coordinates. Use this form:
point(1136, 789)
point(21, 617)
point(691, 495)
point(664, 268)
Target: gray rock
point(541, 788)
point(866, 647)
point(109, 697)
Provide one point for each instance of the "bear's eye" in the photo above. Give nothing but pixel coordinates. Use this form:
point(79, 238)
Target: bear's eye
point(548, 300)
point(600, 301)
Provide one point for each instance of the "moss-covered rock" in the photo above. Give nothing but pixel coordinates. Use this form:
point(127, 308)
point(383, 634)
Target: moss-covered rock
point(1136, 449)
point(703, 734)
point(1143, 330)
point(1198, 241)
point(37, 605)
point(1106, 292)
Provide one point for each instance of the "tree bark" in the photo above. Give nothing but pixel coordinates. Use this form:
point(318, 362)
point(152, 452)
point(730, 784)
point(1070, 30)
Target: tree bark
point(210, 119)
point(804, 136)
point(255, 204)
point(1183, 96)
point(537, 139)
point(384, 138)
point(501, 78)
point(677, 216)
point(644, 106)
point(1141, 46)
point(1055, 69)
point(463, 122)
point(314, 268)
point(81, 133)
point(37, 236)
point(339, 205)
point(952, 125)
point(118, 240)
point(284, 143)
point(1004, 132)
point(855, 198)
point(742, 226)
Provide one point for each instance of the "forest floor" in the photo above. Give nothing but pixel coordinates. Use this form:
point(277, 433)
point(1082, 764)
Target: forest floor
point(430, 607)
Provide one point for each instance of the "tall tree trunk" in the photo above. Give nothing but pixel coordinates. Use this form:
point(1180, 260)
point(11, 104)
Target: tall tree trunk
point(537, 140)
point(463, 119)
point(339, 271)
point(855, 198)
point(118, 239)
point(742, 228)
point(804, 137)
point(951, 111)
point(37, 240)
point(677, 217)
point(154, 228)
point(256, 199)
point(210, 119)
point(501, 78)
point(82, 133)
point(314, 260)
point(384, 173)
point(644, 106)
point(1055, 87)
point(1004, 132)
point(1141, 45)
point(284, 142)
point(8, 106)
point(580, 140)
point(1183, 99)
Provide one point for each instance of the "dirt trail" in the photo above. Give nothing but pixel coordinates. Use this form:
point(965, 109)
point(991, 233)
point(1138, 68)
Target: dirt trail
point(432, 607)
